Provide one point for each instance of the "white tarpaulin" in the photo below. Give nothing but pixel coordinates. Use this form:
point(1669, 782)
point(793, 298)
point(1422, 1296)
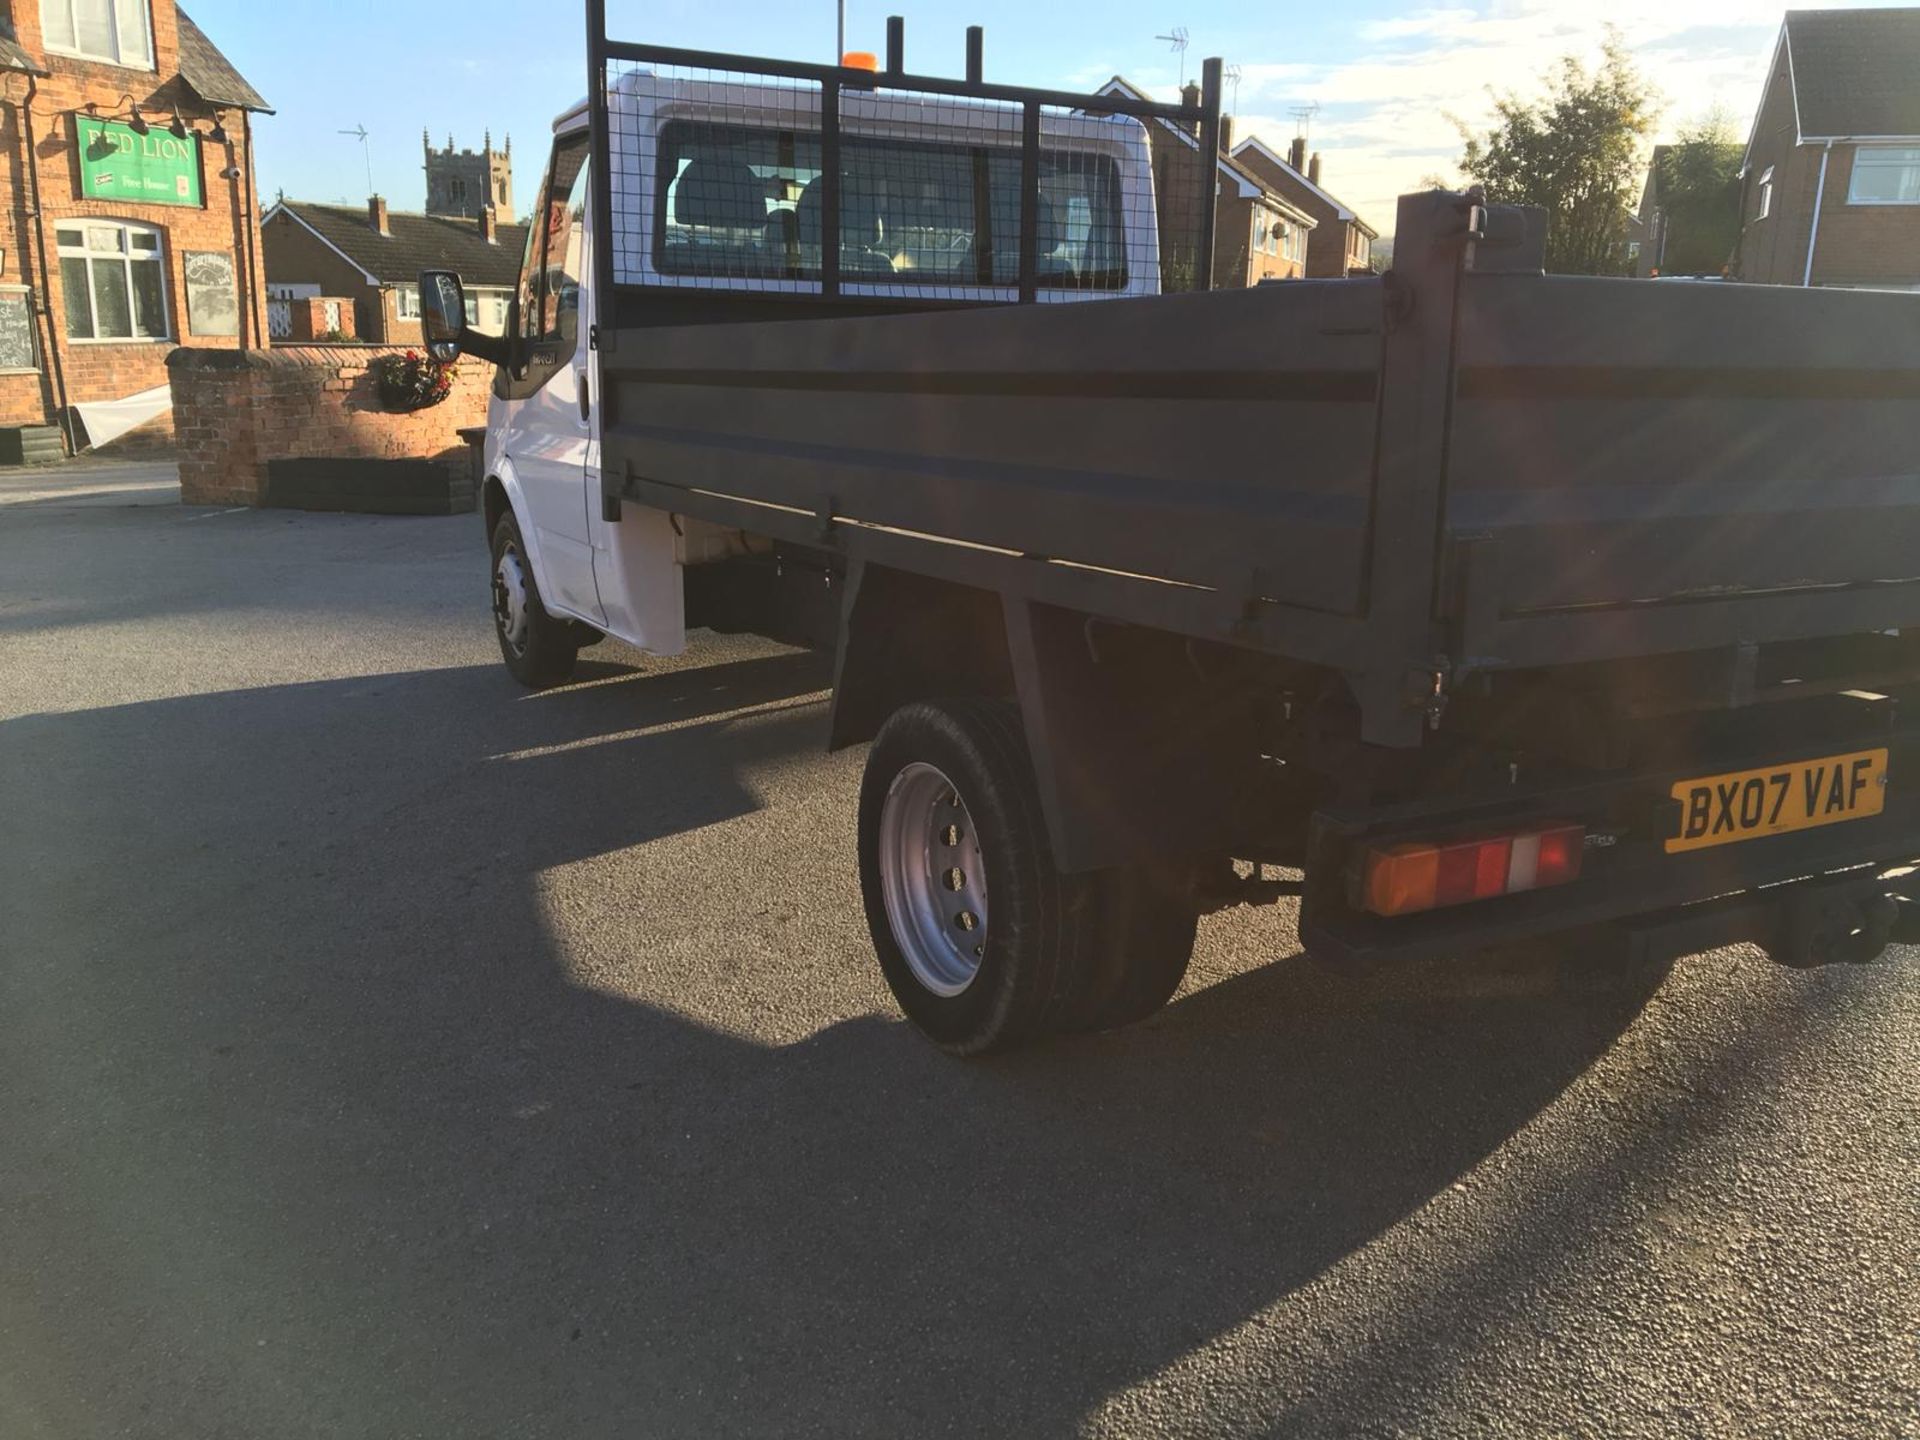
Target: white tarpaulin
point(108, 420)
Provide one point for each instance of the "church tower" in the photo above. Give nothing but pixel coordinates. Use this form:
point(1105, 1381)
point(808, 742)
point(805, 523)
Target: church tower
point(462, 182)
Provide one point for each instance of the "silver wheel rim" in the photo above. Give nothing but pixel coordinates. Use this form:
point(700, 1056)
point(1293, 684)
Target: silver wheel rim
point(510, 599)
point(933, 879)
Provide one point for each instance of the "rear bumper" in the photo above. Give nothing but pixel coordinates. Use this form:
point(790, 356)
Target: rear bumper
point(1727, 893)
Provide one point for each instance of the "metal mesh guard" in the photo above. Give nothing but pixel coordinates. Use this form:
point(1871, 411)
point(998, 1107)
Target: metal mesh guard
point(722, 180)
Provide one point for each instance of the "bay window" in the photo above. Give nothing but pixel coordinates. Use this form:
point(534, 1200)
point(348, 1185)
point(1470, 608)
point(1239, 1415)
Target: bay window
point(114, 280)
point(120, 32)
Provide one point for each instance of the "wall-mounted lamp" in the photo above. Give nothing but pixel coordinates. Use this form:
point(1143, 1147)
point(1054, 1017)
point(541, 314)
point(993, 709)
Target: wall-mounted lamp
point(136, 122)
point(218, 135)
point(178, 129)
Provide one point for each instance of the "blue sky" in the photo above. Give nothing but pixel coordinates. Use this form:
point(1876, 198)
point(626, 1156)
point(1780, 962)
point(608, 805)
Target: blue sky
point(1385, 75)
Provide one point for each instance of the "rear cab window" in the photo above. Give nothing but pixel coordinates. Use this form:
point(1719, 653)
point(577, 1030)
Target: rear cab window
point(745, 203)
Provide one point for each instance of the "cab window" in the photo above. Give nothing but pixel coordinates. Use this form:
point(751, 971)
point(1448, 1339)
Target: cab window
point(553, 268)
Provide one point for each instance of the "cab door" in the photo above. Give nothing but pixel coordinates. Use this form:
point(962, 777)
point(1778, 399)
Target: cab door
point(549, 432)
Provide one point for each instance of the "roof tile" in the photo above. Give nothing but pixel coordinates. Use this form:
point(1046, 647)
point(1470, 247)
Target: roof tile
point(1854, 71)
point(211, 74)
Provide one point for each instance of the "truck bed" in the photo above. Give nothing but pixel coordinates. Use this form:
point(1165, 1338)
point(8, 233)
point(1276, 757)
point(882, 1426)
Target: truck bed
point(1477, 471)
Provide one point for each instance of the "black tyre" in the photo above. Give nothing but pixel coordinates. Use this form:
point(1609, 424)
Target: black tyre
point(979, 935)
point(539, 648)
point(1146, 919)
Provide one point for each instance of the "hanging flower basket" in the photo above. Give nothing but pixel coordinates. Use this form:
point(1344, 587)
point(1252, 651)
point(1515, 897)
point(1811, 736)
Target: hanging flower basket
point(411, 381)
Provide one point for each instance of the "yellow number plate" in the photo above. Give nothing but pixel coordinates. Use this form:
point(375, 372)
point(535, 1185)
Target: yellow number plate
point(1747, 804)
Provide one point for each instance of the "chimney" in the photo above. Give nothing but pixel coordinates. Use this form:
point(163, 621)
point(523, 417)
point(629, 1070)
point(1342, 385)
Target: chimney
point(489, 225)
point(377, 215)
point(1297, 153)
point(1313, 169)
point(1226, 134)
point(1190, 97)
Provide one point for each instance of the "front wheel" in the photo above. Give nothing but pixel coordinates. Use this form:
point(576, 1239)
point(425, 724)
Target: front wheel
point(539, 648)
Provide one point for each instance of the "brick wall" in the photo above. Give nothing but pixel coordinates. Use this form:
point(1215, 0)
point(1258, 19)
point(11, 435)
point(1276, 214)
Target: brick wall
point(311, 318)
point(233, 412)
point(1863, 244)
point(226, 220)
point(1773, 249)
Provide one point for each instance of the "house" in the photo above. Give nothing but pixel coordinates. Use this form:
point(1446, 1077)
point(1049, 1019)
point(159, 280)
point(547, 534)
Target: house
point(130, 226)
point(374, 257)
point(1342, 243)
point(1647, 230)
point(1692, 231)
point(1830, 190)
point(1258, 234)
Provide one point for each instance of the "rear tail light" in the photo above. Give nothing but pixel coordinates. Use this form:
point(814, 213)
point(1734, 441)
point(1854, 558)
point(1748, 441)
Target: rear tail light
point(1410, 876)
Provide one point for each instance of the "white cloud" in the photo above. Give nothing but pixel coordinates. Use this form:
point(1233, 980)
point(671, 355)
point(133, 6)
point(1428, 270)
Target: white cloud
point(1383, 123)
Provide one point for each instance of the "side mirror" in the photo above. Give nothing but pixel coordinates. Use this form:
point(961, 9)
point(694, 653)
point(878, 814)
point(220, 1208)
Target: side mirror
point(443, 313)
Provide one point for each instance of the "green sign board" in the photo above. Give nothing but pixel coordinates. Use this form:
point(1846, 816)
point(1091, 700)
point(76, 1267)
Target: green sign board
point(156, 168)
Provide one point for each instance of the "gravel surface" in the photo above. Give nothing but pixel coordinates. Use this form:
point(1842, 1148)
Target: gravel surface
point(385, 1051)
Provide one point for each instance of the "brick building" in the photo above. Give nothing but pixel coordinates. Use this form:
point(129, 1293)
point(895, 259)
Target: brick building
point(1258, 234)
point(1831, 181)
point(1341, 242)
point(374, 257)
point(130, 226)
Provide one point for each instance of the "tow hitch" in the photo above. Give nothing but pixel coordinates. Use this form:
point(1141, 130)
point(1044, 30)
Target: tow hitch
point(1829, 924)
point(1846, 920)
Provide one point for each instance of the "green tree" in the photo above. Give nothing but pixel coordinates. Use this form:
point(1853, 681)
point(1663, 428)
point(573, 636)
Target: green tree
point(1697, 187)
point(1575, 153)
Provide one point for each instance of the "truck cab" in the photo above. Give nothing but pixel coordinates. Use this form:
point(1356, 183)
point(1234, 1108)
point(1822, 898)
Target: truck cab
point(718, 202)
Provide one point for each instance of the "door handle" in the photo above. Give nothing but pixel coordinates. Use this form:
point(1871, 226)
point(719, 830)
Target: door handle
point(580, 388)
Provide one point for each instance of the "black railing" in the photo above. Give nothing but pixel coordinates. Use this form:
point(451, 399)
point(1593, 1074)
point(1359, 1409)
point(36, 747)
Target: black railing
point(1198, 125)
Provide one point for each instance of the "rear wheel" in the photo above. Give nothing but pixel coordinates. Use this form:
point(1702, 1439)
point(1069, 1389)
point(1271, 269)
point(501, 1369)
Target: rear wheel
point(978, 933)
point(982, 939)
point(539, 648)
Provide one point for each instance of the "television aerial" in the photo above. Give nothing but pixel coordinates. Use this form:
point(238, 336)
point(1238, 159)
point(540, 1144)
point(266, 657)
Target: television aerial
point(1233, 78)
point(1177, 42)
point(360, 133)
point(1303, 118)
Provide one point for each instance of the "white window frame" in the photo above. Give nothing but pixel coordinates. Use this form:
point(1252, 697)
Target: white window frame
point(406, 302)
point(128, 229)
point(138, 23)
point(1861, 152)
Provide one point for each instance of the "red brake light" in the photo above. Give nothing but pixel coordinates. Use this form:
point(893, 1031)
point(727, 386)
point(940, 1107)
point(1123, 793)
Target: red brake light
point(1403, 878)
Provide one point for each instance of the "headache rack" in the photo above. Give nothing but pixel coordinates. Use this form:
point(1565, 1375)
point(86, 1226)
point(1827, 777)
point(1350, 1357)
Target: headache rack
point(995, 153)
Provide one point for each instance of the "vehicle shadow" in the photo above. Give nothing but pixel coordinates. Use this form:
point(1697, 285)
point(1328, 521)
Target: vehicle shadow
point(326, 1123)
